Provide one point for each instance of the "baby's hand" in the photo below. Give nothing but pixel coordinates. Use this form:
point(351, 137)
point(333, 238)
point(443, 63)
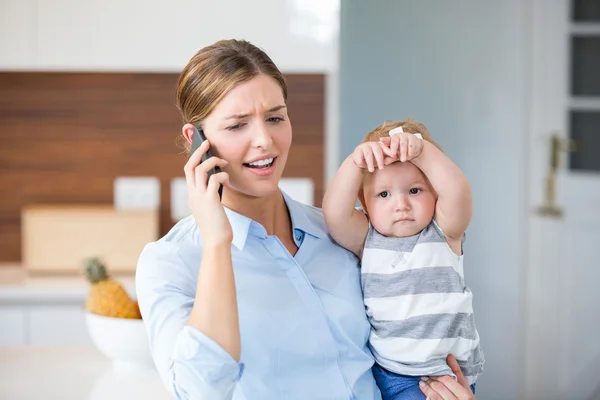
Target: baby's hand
point(405, 146)
point(366, 155)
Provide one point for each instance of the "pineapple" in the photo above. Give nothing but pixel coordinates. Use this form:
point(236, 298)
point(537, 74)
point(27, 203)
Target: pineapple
point(107, 297)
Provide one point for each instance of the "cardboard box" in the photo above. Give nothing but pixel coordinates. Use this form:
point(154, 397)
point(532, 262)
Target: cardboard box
point(58, 238)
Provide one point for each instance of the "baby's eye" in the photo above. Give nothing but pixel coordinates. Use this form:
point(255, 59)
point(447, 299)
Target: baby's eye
point(384, 194)
point(414, 190)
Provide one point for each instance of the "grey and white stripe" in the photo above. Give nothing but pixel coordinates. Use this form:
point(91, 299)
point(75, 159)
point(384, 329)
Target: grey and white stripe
point(413, 281)
point(418, 304)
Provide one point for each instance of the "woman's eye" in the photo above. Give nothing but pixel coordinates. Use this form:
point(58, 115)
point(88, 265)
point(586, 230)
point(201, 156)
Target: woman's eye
point(234, 127)
point(275, 119)
point(384, 194)
point(414, 191)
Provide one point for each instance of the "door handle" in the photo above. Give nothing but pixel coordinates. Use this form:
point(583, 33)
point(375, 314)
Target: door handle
point(557, 145)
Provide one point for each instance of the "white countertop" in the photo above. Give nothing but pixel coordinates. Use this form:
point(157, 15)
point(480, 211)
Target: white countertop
point(72, 373)
point(17, 287)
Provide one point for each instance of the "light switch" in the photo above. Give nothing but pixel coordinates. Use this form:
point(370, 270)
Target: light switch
point(299, 189)
point(179, 199)
point(136, 193)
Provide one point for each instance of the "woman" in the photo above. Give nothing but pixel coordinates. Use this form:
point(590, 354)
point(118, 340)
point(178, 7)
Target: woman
point(249, 298)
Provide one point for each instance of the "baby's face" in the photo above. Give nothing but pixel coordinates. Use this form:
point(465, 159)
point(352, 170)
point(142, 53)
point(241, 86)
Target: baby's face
point(399, 199)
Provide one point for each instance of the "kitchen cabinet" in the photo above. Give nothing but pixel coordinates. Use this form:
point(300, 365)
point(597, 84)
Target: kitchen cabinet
point(60, 325)
point(12, 326)
point(17, 34)
point(45, 311)
point(42, 325)
point(159, 36)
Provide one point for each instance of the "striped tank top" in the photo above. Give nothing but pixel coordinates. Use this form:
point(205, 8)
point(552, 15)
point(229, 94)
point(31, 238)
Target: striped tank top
point(418, 305)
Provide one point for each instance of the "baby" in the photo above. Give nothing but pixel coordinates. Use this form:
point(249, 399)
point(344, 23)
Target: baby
point(416, 206)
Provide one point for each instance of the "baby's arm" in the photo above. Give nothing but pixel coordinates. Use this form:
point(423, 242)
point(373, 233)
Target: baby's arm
point(454, 206)
point(346, 224)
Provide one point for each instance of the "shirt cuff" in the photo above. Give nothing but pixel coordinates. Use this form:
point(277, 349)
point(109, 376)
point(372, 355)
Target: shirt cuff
point(194, 347)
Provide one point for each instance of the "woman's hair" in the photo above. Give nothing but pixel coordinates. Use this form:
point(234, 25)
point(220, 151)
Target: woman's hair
point(408, 125)
point(214, 71)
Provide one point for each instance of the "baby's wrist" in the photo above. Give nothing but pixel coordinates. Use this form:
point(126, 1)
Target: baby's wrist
point(352, 162)
point(358, 169)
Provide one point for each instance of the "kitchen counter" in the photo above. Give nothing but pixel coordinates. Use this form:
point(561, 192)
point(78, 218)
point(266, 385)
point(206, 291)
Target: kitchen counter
point(45, 310)
point(45, 348)
point(73, 373)
point(18, 287)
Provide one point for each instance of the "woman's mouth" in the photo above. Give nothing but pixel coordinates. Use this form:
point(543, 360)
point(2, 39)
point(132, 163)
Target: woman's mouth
point(263, 167)
point(266, 163)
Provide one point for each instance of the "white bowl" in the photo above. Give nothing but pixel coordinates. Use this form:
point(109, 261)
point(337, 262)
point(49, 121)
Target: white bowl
point(122, 340)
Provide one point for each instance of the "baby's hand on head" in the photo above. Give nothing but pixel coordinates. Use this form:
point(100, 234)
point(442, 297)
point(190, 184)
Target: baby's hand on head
point(404, 146)
point(370, 155)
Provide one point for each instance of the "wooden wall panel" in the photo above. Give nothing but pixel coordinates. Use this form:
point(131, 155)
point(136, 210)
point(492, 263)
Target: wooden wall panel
point(64, 137)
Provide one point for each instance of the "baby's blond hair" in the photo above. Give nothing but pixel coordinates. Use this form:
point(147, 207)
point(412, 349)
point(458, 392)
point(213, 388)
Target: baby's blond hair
point(409, 125)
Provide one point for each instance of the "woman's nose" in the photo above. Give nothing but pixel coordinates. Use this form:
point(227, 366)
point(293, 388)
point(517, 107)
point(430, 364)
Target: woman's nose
point(262, 137)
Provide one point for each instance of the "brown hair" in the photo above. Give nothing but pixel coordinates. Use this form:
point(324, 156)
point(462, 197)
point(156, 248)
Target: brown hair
point(409, 125)
point(214, 71)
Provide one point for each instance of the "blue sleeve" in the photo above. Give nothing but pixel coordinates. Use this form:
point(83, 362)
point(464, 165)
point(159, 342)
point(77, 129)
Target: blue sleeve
point(191, 365)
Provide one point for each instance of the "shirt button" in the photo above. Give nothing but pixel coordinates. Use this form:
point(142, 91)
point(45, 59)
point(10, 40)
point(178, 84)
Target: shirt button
point(298, 237)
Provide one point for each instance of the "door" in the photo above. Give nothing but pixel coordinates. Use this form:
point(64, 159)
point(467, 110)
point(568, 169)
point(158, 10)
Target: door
point(561, 346)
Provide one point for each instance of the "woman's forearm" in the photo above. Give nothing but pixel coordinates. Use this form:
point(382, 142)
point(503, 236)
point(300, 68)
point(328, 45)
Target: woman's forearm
point(215, 311)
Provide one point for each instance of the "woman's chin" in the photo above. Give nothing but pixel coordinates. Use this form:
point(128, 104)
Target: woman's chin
point(265, 188)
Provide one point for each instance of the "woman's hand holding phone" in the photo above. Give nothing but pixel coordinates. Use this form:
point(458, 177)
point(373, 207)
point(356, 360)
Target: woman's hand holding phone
point(203, 197)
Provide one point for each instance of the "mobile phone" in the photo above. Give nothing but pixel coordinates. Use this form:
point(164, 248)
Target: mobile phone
point(197, 140)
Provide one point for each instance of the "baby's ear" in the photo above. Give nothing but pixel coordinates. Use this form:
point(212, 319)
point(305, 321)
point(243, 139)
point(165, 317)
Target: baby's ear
point(361, 198)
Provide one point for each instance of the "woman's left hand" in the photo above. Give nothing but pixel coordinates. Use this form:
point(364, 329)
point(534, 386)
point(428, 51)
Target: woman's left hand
point(445, 387)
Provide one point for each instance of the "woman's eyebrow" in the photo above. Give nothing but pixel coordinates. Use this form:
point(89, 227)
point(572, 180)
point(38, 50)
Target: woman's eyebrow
point(240, 116)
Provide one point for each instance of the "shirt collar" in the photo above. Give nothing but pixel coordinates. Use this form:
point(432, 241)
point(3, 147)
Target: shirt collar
point(303, 218)
point(240, 225)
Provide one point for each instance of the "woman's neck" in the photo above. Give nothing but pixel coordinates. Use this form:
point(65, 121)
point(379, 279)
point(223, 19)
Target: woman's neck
point(271, 211)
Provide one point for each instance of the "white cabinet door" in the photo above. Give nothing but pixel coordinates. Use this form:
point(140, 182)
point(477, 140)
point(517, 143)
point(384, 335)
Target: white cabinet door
point(12, 326)
point(107, 34)
point(57, 325)
point(17, 34)
point(154, 35)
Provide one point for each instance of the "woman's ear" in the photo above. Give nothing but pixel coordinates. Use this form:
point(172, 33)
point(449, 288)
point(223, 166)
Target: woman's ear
point(188, 132)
